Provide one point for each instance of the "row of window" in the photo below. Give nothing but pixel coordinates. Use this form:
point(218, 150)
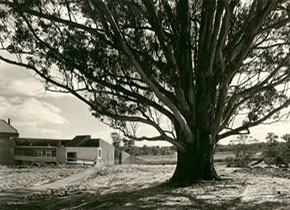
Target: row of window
point(35, 152)
point(27, 143)
point(46, 153)
point(72, 156)
point(55, 143)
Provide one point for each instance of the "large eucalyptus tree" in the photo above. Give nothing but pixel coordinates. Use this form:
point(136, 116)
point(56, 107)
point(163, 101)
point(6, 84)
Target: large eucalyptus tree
point(187, 68)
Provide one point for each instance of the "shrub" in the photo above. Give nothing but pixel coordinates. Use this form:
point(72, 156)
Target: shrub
point(243, 152)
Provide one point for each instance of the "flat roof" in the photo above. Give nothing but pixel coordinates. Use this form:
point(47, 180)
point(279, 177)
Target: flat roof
point(48, 139)
point(42, 139)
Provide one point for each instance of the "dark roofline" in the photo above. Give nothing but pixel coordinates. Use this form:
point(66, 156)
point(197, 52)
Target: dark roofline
point(42, 139)
point(78, 140)
point(97, 139)
point(16, 131)
point(3, 134)
point(55, 139)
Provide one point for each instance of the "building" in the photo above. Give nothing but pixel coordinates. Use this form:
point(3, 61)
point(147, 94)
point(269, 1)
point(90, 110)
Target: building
point(79, 150)
point(7, 134)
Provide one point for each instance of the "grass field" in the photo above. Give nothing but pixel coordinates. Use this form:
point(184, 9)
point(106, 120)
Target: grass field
point(222, 156)
point(171, 159)
point(157, 159)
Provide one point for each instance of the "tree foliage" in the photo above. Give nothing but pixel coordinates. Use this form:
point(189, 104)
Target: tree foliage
point(188, 69)
point(243, 147)
point(286, 137)
point(154, 150)
point(272, 138)
point(275, 151)
point(128, 145)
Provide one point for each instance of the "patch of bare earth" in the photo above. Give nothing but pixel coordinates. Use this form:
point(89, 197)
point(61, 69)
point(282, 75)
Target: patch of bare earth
point(18, 178)
point(142, 187)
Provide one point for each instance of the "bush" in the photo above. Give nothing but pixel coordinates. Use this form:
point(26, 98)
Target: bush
point(238, 162)
point(242, 150)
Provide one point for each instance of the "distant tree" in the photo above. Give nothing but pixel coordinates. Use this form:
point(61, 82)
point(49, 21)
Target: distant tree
point(244, 147)
point(239, 145)
point(145, 150)
point(123, 143)
point(116, 140)
point(154, 150)
point(272, 138)
point(186, 68)
point(286, 137)
point(128, 145)
point(166, 151)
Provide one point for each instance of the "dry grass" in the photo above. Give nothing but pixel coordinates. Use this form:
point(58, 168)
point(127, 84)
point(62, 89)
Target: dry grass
point(17, 178)
point(126, 187)
point(222, 156)
point(159, 159)
point(171, 159)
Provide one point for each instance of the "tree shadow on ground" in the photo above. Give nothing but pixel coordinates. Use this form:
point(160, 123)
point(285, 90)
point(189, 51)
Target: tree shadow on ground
point(161, 197)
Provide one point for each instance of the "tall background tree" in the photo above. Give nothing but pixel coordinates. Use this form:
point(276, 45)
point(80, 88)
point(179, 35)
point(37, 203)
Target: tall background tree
point(286, 138)
point(195, 71)
point(123, 143)
point(272, 138)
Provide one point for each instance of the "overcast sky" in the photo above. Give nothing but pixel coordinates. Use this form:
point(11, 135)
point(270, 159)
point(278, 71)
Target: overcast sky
point(39, 114)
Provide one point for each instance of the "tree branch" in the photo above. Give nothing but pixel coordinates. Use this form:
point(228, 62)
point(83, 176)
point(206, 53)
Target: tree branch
point(257, 15)
point(95, 107)
point(277, 25)
point(254, 123)
point(163, 98)
point(24, 9)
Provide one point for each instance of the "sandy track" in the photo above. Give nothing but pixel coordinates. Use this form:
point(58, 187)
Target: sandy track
point(66, 181)
point(17, 194)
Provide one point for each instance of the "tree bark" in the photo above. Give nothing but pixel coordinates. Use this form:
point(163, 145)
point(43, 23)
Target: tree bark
point(195, 163)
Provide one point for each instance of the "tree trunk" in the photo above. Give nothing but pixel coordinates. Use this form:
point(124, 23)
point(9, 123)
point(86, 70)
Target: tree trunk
point(195, 163)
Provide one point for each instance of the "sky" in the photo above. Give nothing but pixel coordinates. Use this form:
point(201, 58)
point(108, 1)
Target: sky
point(36, 113)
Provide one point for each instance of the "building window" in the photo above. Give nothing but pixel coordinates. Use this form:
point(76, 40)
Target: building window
point(71, 156)
point(53, 153)
point(39, 153)
point(100, 153)
point(48, 153)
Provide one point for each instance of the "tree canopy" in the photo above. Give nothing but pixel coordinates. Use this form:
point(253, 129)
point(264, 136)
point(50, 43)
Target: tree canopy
point(187, 68)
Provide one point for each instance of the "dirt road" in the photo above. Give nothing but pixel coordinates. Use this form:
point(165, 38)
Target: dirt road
point(66, 181)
